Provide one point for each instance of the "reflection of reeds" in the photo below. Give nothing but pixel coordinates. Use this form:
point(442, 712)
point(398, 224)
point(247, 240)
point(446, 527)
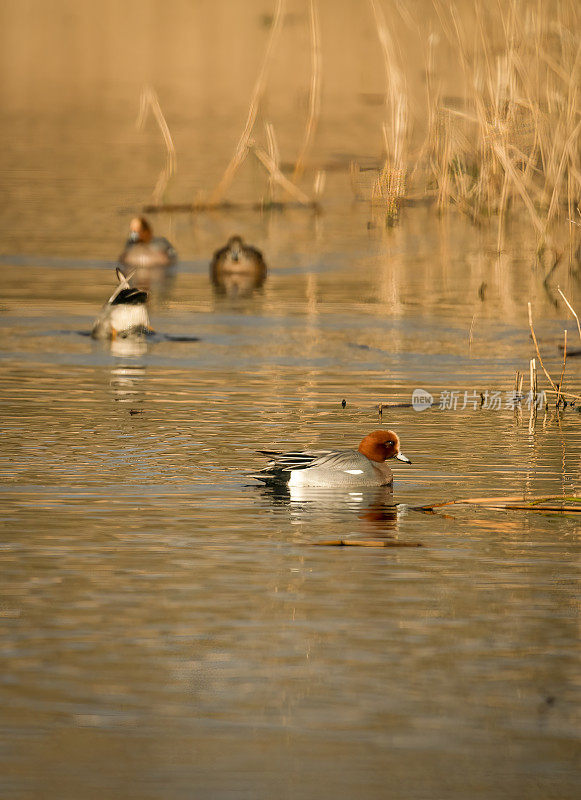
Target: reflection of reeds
point(150, 102)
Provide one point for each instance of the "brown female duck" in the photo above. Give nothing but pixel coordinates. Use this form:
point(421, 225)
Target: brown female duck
point(151, 257)
point(237, 268)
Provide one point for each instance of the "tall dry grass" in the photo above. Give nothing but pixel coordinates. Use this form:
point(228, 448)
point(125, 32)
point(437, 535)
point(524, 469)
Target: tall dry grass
point(508, 135)
point(516, 137)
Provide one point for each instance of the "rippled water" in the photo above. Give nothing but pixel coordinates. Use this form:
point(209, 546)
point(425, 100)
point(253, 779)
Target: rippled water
point(168, 629)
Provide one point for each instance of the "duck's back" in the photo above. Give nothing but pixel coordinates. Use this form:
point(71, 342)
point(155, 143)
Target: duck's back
point(342, 468)
point(156, 254)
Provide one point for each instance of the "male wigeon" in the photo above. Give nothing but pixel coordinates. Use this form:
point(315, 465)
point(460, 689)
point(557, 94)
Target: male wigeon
point(237, 268)
point(124, 313)
point(151, 257)
point(342, 468)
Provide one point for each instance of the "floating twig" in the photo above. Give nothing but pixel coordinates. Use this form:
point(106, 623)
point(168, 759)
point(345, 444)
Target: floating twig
point(553, 503)
point(363, 543)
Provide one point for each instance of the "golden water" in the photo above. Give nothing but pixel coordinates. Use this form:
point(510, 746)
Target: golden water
point(166, 629)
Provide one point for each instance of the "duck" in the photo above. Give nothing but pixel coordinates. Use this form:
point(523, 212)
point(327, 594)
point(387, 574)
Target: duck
point(237, 268)
point(125, 312)
point(151, 257)
point(335, 468)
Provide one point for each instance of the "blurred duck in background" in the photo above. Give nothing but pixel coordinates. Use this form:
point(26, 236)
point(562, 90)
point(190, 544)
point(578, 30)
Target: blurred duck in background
point(125, 312)
point(152, 258)
point(237, 269)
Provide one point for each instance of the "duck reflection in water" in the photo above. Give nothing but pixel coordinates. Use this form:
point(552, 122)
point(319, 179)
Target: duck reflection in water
point(373, 508)
point(237, 269)
point(152, 258)
point(128, 382)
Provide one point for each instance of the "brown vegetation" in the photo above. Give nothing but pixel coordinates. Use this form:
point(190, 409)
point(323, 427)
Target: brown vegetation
point(509, 137)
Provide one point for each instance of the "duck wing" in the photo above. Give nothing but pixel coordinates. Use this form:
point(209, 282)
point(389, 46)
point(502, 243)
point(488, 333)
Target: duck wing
point(281, 464)
point(165, 246)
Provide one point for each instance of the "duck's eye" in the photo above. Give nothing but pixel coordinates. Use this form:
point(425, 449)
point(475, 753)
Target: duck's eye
point(390, 444)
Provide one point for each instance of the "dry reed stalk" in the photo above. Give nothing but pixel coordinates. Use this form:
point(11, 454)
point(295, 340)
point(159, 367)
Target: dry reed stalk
point(563, 370)
point(277, 176)
point(519, 185)
point(314, 93)
point(558, 178)
point(274, 154)
point(571, 309)
point(429, 145)
point(538, 351)
point(501, 213)
point(533, 395)
point(242, 147)
point(443, 177)
point(524, 90)
point(150, 102)
point(549, 503)
point(391, 181)
point(319, 184)
point(554, 389)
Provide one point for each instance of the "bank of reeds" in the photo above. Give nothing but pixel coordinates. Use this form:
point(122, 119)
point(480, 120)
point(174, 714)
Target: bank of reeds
point(556, 389)
point(513, 135)
point(508, 136)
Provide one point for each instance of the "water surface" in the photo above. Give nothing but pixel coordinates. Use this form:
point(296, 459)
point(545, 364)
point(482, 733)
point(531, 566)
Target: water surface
point(168, 629)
